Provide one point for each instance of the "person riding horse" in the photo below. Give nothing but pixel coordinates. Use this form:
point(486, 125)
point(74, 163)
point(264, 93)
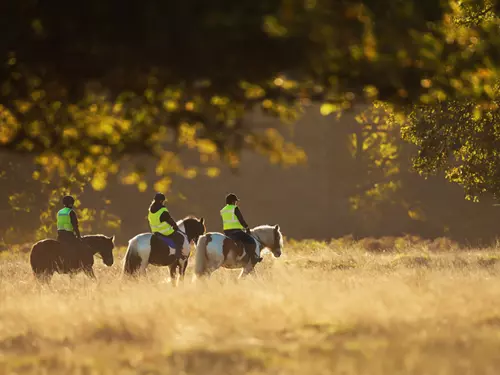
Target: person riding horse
point(67, 225)
point(236, 228)
point(162, 224)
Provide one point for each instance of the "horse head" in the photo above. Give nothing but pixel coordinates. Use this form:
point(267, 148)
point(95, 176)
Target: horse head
point(194, 228)
point(103, 245)
point(270, 237)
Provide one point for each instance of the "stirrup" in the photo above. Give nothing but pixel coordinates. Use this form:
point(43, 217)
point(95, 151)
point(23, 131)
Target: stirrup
point(255, 259)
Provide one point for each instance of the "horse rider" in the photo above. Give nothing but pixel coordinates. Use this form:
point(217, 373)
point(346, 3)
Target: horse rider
point(162, 223)
point(67, 224)
point(236, 228)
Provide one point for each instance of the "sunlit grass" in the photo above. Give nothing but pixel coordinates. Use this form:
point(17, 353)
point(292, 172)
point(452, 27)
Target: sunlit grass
point(321, 308)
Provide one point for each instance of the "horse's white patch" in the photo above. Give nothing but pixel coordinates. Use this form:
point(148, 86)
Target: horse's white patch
point(264, 236)
point(143, 247)
point(214, 248)
point(186, 246)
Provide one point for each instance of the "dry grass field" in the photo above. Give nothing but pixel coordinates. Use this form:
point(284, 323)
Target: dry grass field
point(336, 308)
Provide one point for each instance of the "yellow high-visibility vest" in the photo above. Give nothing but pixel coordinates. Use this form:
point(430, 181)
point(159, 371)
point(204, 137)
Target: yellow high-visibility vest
point(229, 218)
point(159, 226)
point(64, 220)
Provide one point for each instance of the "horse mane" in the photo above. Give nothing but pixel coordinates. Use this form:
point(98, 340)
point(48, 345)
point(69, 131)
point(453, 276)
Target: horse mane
point(95, 236)
point(267, 226)
point(187, 218)
point(99, 237)
point(190, 217)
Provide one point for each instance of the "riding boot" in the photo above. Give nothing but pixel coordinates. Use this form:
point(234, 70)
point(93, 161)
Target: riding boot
point(252, 252)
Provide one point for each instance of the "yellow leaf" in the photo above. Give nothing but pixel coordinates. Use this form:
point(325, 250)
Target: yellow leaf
point(207, 147)
point(371, 91)
point(327, 108)
point(131, 178)
point(70, 133)
point(190, 173)
point(477, 114)
point(213, 172)
point(426, 83)
point(170, 105)
point(416, 214)
point(163, 185)
point(7, 132)
point(99, 181)
point(142, 186)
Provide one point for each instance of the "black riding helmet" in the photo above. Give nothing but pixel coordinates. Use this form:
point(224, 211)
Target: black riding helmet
point(231, 198)
point(159, 197)
point(68, 200)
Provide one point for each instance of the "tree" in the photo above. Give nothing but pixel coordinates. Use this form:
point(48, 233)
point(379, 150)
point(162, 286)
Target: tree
point(461, 137)
point(85, 84)
point(141, 68)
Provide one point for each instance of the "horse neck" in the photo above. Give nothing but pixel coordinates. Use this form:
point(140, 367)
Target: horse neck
point(88, 242)
point(181, 225)
point(262, 236)
point(186, 229)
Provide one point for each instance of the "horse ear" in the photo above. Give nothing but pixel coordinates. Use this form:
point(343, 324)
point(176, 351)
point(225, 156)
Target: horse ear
point(112, 239)
point(202, 220)
point(276, 227)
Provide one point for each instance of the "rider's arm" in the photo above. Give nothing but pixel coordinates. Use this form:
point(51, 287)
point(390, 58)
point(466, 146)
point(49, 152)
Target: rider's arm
point(74, 222)
point(165, 216)
point(238, 214)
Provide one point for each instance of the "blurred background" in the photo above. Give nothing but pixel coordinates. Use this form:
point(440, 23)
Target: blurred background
point(332, 194)
point(331, 119)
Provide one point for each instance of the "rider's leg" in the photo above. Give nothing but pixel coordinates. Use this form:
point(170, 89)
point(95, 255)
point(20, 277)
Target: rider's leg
point(178, 239)
point(71, 247)
point(250, 246)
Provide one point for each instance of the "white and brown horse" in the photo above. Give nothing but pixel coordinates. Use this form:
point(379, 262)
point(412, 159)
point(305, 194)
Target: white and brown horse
point(140, 251)
point(215, 250)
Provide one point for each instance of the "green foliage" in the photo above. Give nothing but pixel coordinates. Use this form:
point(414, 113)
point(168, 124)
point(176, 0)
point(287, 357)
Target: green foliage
point(461, 138)
point(167, 76)
point(374, 146)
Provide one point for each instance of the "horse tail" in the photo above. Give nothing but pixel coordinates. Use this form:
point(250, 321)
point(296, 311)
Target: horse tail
point(43, 259)
point(132, 258)
point(201, 258)
point(36, 260)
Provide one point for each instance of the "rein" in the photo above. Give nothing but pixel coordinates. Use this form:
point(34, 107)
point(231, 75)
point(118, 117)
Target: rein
point(94, 253)
point(258, 240)
point(185, 234)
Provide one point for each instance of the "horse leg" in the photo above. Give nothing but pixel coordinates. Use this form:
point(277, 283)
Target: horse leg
point(182, 269)
point(173, 273)
point(89, 271)
point(247, 270)
point(144, 265)
point(43, 277)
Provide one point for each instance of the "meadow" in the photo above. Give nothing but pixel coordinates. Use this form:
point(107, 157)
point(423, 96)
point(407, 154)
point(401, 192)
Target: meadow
point(390, 306)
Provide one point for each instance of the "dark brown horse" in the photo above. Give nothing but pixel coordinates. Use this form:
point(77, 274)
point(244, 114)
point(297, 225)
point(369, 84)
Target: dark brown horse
point(49, 256)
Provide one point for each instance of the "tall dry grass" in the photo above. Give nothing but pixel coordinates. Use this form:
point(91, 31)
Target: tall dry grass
point(320, 309)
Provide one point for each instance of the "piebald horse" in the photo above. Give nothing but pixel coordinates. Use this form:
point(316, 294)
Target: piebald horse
point(215, 250)
point(140, 252)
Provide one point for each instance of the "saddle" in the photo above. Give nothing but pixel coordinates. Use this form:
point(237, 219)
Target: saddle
point(69, 247)
point(73, 255)
point(162, 243)
point(238, 245)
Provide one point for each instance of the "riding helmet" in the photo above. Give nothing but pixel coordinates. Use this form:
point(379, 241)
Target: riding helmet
point(68, 200)
point(231, 198)
point(159, 197)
